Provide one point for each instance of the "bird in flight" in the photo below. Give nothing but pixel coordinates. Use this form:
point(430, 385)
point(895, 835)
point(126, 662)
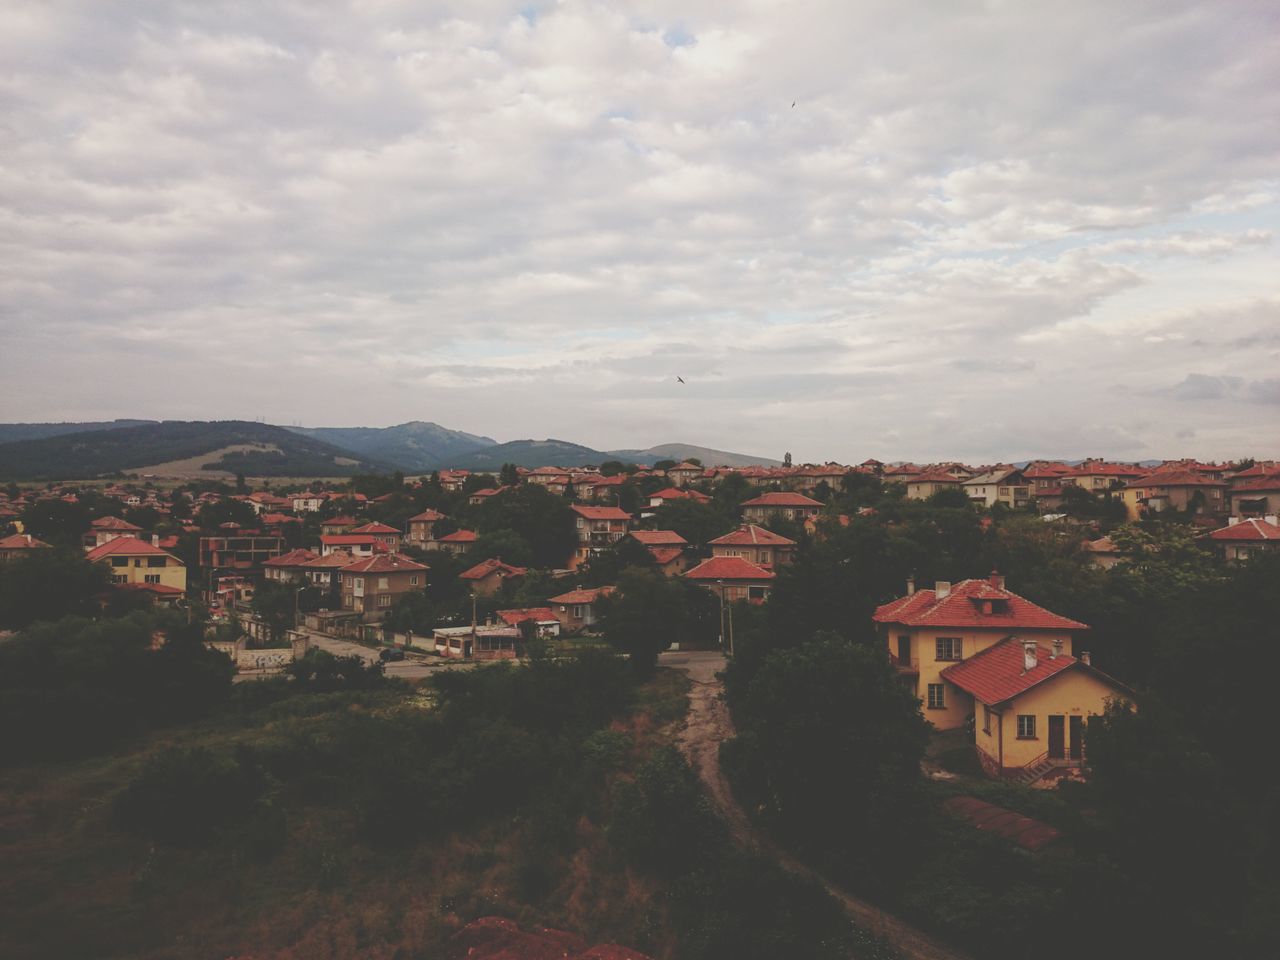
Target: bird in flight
point(681, 379)
point(793, 104)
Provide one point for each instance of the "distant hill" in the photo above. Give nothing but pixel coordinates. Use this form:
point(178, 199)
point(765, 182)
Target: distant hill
point(530, 453)
point(683, 451)
point(35, 431)
point(185, 448)
point(414, 447)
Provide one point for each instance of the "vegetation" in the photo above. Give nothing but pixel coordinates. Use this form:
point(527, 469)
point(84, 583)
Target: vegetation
point(50, 585)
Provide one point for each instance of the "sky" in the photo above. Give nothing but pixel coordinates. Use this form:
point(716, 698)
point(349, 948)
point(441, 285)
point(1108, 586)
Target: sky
point(984, 231)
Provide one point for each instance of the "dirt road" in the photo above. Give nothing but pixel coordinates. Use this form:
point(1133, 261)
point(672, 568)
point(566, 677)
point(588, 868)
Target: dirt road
point(707, 727)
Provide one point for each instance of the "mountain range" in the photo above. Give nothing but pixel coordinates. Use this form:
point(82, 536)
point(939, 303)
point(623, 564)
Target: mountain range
point(180, 448)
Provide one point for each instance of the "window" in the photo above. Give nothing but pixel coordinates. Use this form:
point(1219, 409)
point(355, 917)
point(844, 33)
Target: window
point(986, 719)
point(382, 583)
point(577, 611)
point(119, 561)
point(156, 561)
point(1026, 726)
point(937, 699)
point(947, 648)
point(384, 599)
point(151, 577)
point(413, 580)
point(755, 593)
point(119, 578)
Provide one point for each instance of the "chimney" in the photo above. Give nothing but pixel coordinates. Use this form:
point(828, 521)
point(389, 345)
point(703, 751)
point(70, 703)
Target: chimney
point(1029, 652)
point(155, 539)
point(911, 586)
point(996, 580)
point(1271, 519)
point(1057, 650)
point(942, 589)
point(1232, 521)
point(1086, 658)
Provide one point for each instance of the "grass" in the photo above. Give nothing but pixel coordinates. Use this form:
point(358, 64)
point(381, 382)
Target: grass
point(73, 884)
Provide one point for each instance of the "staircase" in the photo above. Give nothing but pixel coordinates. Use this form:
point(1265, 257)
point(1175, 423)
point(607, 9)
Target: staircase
point(1042, 765)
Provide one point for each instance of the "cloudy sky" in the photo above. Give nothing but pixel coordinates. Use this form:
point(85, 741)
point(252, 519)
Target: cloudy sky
point(976, 230)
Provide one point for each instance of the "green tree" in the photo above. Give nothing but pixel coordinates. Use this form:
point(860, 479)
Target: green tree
point(50, 585)
point(544, 521)
point(649, 612)
point(509, 475)
point(507, 545)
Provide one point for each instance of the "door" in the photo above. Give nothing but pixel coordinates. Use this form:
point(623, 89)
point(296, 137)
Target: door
point(1056, 740)
point(904, 651)
point(1077, 738)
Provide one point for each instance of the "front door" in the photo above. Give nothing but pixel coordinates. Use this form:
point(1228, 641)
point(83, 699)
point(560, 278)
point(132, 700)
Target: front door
point(1056, 739)
point(1077, 738)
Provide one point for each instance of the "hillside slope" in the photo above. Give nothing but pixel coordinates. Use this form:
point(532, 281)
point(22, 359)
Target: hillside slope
point(10, 432)
point(415, 447)
point(261, 450)
point(530, 453)
point(708, 456)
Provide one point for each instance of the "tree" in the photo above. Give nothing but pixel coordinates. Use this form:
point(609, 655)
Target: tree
point(50, 585)
point(275, 604)
point(544, 521)
point(696, 522)
point(57, 522)
point(786, 459)
point(506, 545)
point(509, 475)
point(649, 612)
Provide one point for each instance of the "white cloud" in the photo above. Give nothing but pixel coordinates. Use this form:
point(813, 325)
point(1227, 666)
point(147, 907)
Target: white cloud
point(972, 225)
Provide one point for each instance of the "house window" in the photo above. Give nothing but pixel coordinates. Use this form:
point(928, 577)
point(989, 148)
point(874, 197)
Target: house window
point(119, 561)
point(120, 578)
point(384, 599)
point(577, 612)
point(156, 561)
point(151, 578)
point(986, 719)
point(1026, 726)
point(382, 583)
point(755, 593)
point(947, 648)
point(413, 580)
point(937, 699)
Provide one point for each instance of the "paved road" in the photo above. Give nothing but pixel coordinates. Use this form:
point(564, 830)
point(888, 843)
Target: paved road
point(414, 666)
point(708, 726)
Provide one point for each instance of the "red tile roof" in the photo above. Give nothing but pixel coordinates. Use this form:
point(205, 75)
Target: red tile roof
point(516, 617)
point(963, 608)
point(935, 476)
point(998, 673)
point(590, 595)
point(729, 568)
point(336, 559)
point(385, 563)
point(750, 534)
point(22, 541)
point(658, 538)
point(163, 589)
point(601, 513)
point(428, 514)
point(664, 555)
point(374, 527)
point(486, 567)
point(1175, 478)
point(782, 500)
point(1025, 832)
point(294, 558)
point(1265, 485)
point(1253, 530)
point(112, 523)
point(126, 546)
point(460, 536)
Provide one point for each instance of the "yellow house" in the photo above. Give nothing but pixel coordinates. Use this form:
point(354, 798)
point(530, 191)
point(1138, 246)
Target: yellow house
point(928, 631)
point(135, 561)
point(1032, 704)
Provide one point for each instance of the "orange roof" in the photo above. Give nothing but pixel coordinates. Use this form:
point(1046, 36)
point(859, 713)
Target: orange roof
point(336, 559)
point(22, 541)
point(664, 555)
point(963, 607)
point(782, 500)
point(126, 546)
point(751, 534)
point(516, 617)
point(374, 527)
point(589, 595)
point(1254, 529)
point(428, 514)
point(112, 523)
point(601, 513)
point(487, 567)
point(658, 538)
point(998, 673)
point(460, 536)
point(385, 563)
point(294, 558)
point(729, 568)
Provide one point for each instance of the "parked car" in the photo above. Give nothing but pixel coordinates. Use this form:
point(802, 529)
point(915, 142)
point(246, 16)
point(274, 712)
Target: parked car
point(390, 653)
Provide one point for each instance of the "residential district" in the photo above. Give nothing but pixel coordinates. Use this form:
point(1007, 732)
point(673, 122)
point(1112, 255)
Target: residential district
point(468, 567)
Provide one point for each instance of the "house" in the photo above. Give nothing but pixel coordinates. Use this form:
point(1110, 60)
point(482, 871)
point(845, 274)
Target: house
point(244, 552)
point(666, 547)
point(928, 630)
point(20, 545)
point(683, 474)
point(1185, 490)
point(307, 502)
point(1002, 485)
point(543, 619)
point(370, 586)
point(659, 538)
point(489, 642)
point(1103, 552)
point(1259, 497)
point(289, 567)
point(135, 561)
point(1098, 476)
point(1032, 702)
point(1242, 539)
point(760, 546)
point(385, 534)
point(336, 526)
point(672, 493)
point(578, 609)
point(356, 544)
point(733, 579)
point(487, 577)
point(769, 507)
point(323, 571)
point(479, 497)
point(456, 543)
point(922, 486)
point(602, 489)
point(105, 529)
point(597, 529)
point(810, 478)
point(820, 527)
point(422, 527)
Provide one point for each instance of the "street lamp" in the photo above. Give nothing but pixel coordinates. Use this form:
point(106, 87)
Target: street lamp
point(720, 584)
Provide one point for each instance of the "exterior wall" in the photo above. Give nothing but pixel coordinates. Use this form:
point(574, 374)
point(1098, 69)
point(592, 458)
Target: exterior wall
point(1073, 693)
point(770, 554)
point(765, 514)
point(138, 569)
point(1256, 503)
point(957, 705)
point(373, 594)
point(488, 585)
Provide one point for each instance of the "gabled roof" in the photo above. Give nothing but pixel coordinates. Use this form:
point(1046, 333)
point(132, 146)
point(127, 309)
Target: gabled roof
point(935, 476)
point(516, 617)
point(782, 500)
point(1265, 485)
point(385, 563)
point(729, 568)
point(658, 538)
point(427, 515)
point(335, 560)
point(1252, 530)
point(751, 535)
point(22, 541)
point(294, 558)
point(1176, 478)
point(963, 607)
point(998, 674)
point(601, 513)
point(374, 527)
point(487, 567)
point(589, 595)
point(127, 547)
point(664, 555)
point(997, 476)
point(459, 536)
point(113, 523)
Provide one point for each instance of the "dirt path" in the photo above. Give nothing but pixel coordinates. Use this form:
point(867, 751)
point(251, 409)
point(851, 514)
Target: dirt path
point(707, 727)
